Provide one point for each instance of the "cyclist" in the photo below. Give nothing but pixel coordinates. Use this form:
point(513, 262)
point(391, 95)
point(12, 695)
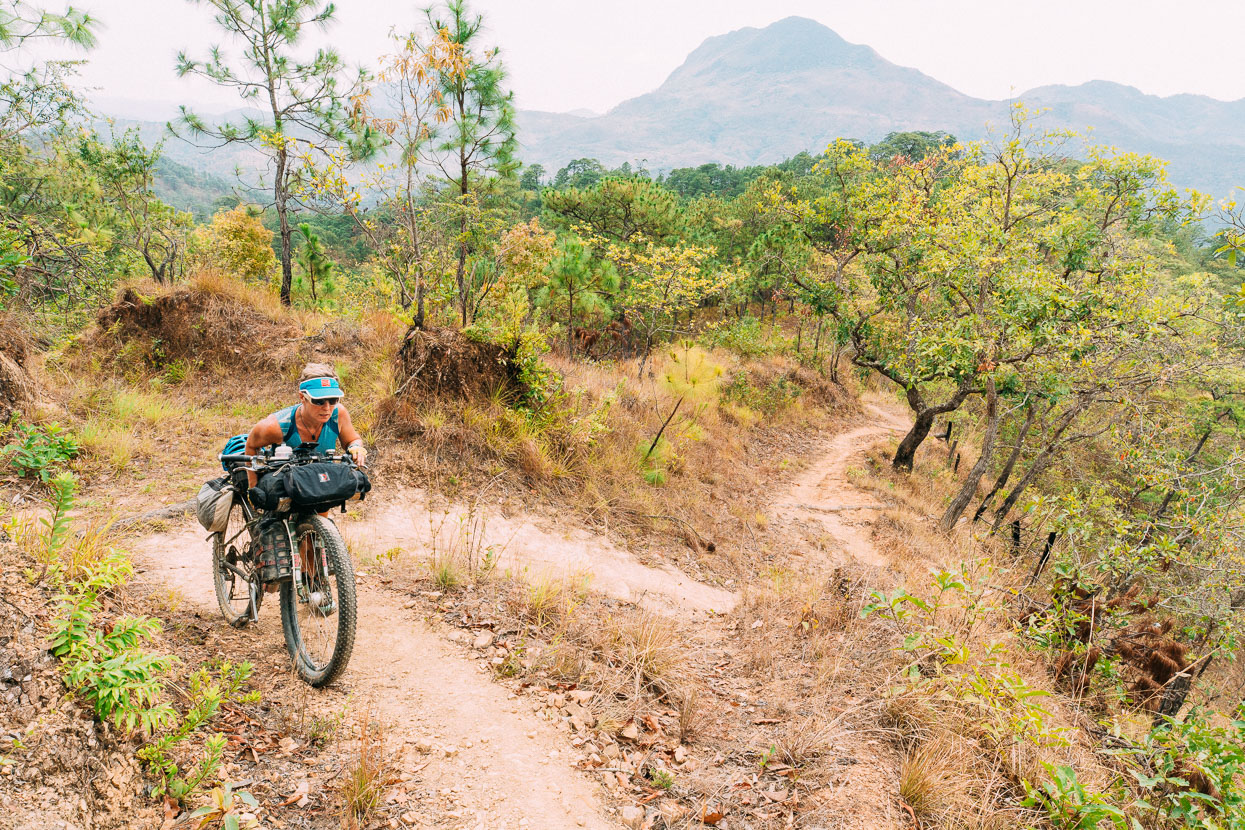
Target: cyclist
point(318, 419)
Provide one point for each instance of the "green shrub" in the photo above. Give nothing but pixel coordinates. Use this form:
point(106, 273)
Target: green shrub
point(747, 337)
point(1069, 806)
point(207, 691)
point(229, 810)
point(107, 665)
point(39, 451)
point(1187, 772)
point(774, 397)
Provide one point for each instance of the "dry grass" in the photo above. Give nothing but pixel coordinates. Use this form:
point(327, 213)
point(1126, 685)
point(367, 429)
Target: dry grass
point(801, 742)
point(546, 601)
point(696, 494)
point(371, 767)
point(458, 551)
point(649, 650)
point(935, 780)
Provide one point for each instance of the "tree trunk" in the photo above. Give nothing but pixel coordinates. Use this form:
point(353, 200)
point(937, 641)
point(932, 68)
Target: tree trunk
point(969, 489)
point(923, 423)
point(1035, 469)
point(570, 324)
point(1040, 463)
point(280, 196)
point(463, 190)
point(460, 273)
point(906, 452)
point(1008, 467)
point(419, 305)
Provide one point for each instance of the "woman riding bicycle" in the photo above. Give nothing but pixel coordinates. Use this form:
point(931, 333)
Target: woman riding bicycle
point(253, 548)
point(318, 420)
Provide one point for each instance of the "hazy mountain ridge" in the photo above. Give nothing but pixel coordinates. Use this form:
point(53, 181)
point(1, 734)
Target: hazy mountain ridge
point(760, 95)
point(757, 96)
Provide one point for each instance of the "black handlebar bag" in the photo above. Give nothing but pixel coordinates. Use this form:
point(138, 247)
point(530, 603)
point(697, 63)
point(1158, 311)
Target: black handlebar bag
point(311, 487)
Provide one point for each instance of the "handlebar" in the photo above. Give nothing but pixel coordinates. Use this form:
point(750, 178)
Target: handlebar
point(265, 460)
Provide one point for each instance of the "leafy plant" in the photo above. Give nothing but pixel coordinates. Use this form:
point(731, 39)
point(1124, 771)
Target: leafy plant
point(1187, 772)
point(38, 450)
point(44, 538)
point(107, 665)
point(228, 810)
point(1069, 806)
point(663, 779)
point(207, 691)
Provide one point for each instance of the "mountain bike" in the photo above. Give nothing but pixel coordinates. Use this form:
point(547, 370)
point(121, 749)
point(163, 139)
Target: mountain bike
point(301, 552)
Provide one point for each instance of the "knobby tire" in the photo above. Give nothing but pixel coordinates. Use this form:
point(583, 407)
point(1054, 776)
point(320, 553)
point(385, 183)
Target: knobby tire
point(346, 612)
point(223, 579)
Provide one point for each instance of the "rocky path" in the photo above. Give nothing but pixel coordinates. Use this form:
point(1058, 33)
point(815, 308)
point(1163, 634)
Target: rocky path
point(824, 501)
point(492, 761)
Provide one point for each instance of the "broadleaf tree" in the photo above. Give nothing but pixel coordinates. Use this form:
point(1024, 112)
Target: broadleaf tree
point(979, 261)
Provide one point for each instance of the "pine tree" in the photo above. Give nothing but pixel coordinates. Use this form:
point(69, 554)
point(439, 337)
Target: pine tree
point(578, 284)
point(479, 136)
point(316, 265)
point(304, 102)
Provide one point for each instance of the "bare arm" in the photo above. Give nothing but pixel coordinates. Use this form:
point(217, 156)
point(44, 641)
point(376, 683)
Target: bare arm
point(346, 432)
point(264, 434)
point(350, 437)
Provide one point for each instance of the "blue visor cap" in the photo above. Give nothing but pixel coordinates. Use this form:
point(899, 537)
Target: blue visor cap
point(321, 388)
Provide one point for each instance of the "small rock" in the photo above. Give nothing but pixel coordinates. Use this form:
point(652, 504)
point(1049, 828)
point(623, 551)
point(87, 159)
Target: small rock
point(410, 818)
point(672, 812)
point(630, 732)
point(423, 746)
point(449, 751)
point(581, 696)
point(633, 817)
point(680, 754)
point(483, 640)
point(555, 700)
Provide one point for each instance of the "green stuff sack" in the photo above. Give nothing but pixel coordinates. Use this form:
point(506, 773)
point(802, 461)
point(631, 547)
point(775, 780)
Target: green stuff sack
point(213, 503)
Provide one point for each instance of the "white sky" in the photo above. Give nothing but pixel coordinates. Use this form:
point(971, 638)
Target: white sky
point(569, 54)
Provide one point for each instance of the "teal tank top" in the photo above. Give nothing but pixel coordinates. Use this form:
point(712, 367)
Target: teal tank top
point(328, 435)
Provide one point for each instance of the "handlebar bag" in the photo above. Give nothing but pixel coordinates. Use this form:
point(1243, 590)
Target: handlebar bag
point(316, 486)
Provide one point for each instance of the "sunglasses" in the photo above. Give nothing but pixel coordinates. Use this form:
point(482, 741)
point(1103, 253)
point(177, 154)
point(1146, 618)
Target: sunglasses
point(324, 401)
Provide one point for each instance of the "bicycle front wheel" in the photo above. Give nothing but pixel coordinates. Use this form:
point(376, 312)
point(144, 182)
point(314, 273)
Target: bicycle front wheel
point(318, 610)
point(233, 570)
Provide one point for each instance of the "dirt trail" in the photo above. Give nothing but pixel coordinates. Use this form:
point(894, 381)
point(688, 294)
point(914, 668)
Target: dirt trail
point(823, 499)
point(525, 547)
point(505, 764)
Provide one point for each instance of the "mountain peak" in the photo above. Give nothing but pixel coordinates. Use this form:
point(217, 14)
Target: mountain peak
point(793, 44)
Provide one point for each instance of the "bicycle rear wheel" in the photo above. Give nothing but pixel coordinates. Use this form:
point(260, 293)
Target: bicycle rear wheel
point(233, 570)
point(318, 610)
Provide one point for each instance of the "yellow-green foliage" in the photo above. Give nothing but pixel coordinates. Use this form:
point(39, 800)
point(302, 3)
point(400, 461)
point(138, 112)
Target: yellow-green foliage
point(236, 243)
